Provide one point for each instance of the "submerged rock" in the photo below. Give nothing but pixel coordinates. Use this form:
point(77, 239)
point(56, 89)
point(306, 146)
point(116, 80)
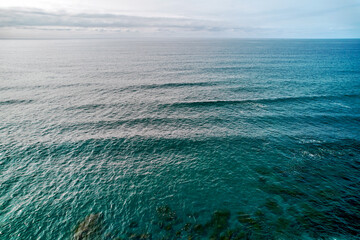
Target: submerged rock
point(219, 222)
point(137, 236)
point(167, 218)
point(166, 213)
point(273, 206)
point(282, 224)
point(328, 194)
point(133, 224)
point(282, 191)
point(187, 227)
point(245, 218)
point(167, 226)
point(253, 226)
point(144, 236)
point(90, 228)
point(259, 214)
point(199, 229)
point(263, 171)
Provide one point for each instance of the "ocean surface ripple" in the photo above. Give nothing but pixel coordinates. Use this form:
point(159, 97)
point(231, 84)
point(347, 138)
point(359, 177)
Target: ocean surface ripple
point(179, 139)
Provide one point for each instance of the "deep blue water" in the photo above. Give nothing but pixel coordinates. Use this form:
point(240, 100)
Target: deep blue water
point(180, 139)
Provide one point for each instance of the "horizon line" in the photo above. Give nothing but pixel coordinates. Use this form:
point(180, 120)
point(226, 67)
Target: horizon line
point(178, 37)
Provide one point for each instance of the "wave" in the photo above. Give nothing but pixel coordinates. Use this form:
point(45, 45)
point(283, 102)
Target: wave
point(219, 103)
point(142, 143)
point(49, 86)
point(260, 100)
point(175, 85)
point(112, 124)
point(134, 88)
point(231, 68)
point(89, 106)
point(14, 102)
point(128, 144)
point(191, 125)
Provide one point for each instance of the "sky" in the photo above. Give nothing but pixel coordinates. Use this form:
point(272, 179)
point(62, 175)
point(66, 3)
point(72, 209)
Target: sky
point(180, 18)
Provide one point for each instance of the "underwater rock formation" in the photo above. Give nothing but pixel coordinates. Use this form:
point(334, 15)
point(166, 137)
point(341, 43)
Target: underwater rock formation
point(166, 213)
point(271, 220)
point(219, 222)
point(90, 228)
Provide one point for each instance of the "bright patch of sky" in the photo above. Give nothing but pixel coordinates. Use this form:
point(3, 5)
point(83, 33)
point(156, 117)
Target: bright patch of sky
point(181, 18)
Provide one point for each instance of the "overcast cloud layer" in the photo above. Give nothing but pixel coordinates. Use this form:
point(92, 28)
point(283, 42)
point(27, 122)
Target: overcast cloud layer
point(212, 18)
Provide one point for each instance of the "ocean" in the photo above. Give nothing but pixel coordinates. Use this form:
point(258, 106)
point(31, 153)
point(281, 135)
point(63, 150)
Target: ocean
point(179, 139)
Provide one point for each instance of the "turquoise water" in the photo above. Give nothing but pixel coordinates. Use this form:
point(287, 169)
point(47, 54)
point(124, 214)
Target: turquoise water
point(179, 139)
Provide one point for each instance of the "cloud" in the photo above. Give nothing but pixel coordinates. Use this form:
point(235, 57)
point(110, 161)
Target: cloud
point(330, 22)
point(17, 17)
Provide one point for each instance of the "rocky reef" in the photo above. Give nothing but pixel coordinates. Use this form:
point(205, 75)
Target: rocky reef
point(90, 228)
point(323, 214)
point(271, 220)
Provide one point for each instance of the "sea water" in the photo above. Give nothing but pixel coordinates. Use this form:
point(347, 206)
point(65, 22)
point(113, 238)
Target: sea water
point(179, 139)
